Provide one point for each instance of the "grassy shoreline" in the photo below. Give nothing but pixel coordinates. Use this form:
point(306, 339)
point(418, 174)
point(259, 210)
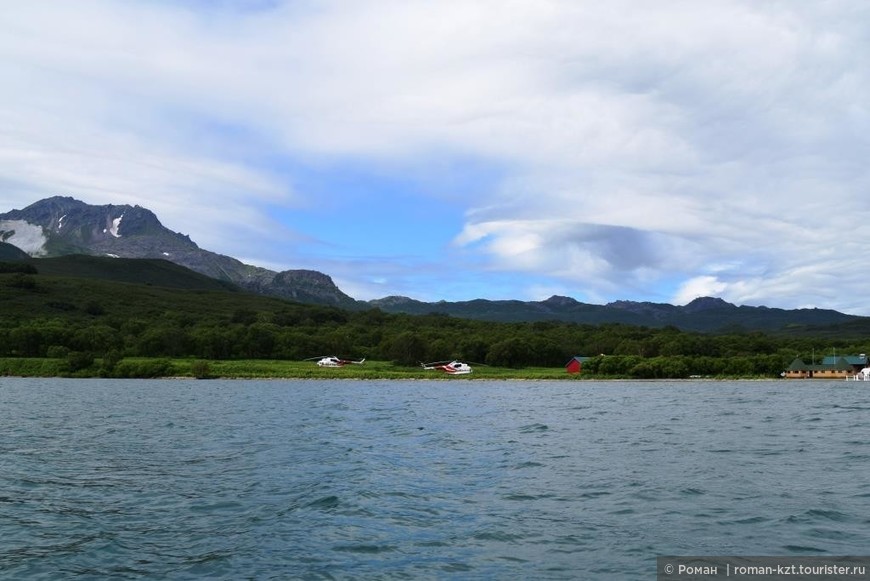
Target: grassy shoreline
point(141, 367)
point(186, 368)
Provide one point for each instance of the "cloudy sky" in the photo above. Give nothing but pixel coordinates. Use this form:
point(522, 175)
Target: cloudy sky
point(459, 149)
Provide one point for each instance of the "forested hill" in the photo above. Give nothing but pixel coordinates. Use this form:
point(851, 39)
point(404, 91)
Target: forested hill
point(10, 252)
point(143, 271)
point(55, 316)
point(706, 314)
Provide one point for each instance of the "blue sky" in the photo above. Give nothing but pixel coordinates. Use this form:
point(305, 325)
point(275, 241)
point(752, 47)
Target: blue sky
point(465, 149)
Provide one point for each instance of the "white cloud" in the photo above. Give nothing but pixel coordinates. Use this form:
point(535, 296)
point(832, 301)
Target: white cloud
point(25, 236)
point(721, 144)
point(701, 286)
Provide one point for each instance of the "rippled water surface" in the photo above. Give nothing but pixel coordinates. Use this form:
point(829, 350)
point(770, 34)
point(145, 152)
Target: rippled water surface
point(426, 479)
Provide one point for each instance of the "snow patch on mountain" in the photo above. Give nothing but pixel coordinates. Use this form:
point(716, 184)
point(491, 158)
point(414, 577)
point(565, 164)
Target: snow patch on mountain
point(113, 229)
point(28, 237)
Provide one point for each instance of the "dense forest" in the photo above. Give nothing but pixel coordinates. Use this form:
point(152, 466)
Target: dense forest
point(63, 317)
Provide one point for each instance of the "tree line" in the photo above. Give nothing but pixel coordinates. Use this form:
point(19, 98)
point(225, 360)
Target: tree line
point(291, 331)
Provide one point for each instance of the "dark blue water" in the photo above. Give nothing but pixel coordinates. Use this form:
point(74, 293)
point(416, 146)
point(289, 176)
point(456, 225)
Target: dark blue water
point(427, 479)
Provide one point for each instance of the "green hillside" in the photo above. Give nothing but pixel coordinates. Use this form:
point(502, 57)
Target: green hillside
point(82, 300)
point(10, 252)
point(145, 271)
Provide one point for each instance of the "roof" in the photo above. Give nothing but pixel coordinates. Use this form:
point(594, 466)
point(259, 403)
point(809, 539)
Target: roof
point(829, 364)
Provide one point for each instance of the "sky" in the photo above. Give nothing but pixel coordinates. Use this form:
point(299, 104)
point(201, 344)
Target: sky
point(461, 149)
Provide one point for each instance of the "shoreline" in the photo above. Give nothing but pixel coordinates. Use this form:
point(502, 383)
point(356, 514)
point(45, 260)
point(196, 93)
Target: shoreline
point(413, 379)
point(257, 369)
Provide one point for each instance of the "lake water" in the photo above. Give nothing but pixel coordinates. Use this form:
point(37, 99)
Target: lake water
point(424, 479)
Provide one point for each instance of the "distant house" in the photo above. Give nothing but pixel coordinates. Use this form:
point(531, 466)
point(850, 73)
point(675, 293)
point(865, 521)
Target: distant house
point(831, 367)
point(575, 365)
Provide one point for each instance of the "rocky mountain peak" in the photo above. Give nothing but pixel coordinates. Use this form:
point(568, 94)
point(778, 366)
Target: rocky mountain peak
point(392, 301)
point(52, 205)
point(560, 301)
point(63, 225)
point(705, 304)
point(79, 224)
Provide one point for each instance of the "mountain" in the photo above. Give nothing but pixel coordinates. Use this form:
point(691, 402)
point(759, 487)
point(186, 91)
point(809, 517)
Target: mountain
point(61, 226)
point(705, 314)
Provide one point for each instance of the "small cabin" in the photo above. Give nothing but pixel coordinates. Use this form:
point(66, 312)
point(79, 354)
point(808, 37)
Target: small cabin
point(575, 365)
point(831, 367)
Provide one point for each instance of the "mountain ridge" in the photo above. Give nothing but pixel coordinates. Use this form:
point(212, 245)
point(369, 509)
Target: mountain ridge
point(63, 225)
point(705, 314)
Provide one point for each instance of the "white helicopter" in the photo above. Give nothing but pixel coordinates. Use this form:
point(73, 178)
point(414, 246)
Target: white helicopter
point(449, 367)
point(333, 361)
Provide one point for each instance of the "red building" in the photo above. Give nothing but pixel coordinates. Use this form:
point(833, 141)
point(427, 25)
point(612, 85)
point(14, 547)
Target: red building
point(576, 364)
